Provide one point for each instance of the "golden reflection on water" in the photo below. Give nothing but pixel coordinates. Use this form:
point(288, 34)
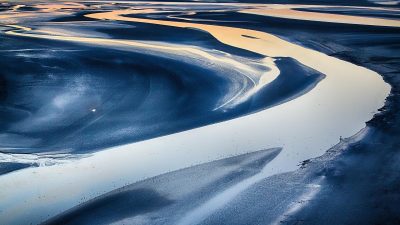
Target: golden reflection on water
point(255, 41)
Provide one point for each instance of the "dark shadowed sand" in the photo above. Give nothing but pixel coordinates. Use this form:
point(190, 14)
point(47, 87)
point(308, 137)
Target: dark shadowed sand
point(166, 198)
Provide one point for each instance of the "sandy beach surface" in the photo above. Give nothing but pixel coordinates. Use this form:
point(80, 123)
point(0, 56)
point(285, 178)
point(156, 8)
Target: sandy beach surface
point(124, 112)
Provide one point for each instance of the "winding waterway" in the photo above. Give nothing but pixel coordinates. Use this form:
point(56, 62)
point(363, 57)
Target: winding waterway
point(304, 127)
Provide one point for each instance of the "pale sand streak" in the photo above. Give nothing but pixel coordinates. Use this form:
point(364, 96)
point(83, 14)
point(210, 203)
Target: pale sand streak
point(11, 17)
point(60, 6)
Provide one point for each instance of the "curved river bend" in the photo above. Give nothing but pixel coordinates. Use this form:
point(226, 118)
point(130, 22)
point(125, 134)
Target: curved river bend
point(304, 127)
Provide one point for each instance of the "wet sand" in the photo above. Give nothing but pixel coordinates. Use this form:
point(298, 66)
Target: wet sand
point(301, 110)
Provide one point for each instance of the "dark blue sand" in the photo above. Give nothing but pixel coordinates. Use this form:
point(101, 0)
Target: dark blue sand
point(8, 167)
point(356, 12)
point(153, 199)
point(77, 98)
point(114, 207)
